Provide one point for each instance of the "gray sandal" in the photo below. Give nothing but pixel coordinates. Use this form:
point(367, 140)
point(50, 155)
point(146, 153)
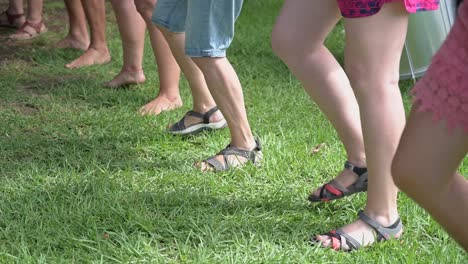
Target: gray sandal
point(333, 190)
point(254, 156)
point(340, 238)
point(179, 128)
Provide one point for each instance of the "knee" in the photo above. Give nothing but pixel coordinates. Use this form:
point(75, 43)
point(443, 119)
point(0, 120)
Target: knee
point(206, 64)
point(283, 43)
point(145, 8)
point(370, 82)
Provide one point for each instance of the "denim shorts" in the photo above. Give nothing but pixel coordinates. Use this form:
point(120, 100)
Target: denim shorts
point(208, 24)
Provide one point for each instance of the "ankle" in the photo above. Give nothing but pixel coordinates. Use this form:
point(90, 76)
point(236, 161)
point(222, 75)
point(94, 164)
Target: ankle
point(132, 69)
point(170, 97)
point(383, 217)
point(358, 160)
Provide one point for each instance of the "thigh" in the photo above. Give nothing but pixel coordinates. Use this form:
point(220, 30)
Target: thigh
point(306, 22)
point(374, 44)
point(170, 14)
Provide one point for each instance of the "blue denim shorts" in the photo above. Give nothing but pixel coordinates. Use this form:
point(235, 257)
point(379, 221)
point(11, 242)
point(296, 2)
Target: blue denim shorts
point(208, 24)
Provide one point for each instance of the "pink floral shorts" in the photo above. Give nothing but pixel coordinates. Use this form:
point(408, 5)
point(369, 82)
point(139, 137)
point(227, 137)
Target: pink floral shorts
point(444, 88)
point(364, 8)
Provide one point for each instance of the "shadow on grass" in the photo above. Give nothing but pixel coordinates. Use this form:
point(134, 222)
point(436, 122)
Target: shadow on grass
point(99, 212)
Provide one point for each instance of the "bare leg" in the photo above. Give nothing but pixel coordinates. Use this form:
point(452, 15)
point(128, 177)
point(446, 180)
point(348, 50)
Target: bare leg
point(132, 31)
point(319, 72)
point(35, 24)
point(425, 168)
point(168, 70)
point(226, 89)
point(372, 63)
point(202, 99)
point(77, 37)
point(97, 52)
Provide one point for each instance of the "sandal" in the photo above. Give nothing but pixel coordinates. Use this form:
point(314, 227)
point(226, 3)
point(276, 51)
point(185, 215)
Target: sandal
point(231, 154)
point(29, 30)
point(11, 20)
point(340, 238)
point(179, 128)
point(333, 190)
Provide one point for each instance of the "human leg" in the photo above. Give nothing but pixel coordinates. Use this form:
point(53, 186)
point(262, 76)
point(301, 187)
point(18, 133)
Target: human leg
point(77, 37)
point(425, 168)
point(132, 31)
point(208, 52)
point(372, 63)
point(97, 52)
point(303, 50)
point(169, 17)
point(168, 97)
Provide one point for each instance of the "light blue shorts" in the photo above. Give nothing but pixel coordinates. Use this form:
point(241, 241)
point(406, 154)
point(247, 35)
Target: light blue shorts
point(208, 24)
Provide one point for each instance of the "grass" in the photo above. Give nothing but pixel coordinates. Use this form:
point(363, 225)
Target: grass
point(85, 179)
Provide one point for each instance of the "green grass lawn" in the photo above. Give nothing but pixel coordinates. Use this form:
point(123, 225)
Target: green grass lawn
point(85, 179)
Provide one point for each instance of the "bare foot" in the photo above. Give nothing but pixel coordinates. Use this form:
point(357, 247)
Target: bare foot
point(126, 77)
point(91, 57)
point(73, 43)
point(160, 104)
point(360, 231)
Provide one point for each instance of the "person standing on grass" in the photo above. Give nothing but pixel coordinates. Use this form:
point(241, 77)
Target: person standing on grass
point(29, 26)
point(199, 33)
point(375, 31)
point(132, 29)
point(435, 139)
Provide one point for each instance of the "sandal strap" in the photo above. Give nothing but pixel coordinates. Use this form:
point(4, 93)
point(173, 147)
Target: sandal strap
point(352, 243)
point(216, 164)
point(36, 26)
point(383, 233)
point(207, 115)
point(10, 17)
point(358, 170)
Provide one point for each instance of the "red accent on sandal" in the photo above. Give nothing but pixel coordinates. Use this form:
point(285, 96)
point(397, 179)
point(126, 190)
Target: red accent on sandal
point(333, 190)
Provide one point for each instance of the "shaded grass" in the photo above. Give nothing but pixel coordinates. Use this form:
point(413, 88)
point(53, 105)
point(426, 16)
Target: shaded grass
point(85, 179)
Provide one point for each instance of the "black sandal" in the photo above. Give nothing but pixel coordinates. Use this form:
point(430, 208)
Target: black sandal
point(179, 128)
point(255, 156)
point(333, 190)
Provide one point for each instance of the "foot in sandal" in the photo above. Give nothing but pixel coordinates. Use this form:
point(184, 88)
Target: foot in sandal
point(194, 122)
point(364, 232)
point(352, 180)
point(232, 157)
point(29, 30)
point(11, 20)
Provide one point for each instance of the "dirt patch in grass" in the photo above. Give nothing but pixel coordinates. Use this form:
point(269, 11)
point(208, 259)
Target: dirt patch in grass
point(42, 85)
point(26, 109)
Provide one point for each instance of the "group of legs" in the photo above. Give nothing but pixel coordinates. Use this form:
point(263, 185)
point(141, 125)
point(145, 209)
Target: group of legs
point(364, 105)
point(133, 18)
point(362, 101)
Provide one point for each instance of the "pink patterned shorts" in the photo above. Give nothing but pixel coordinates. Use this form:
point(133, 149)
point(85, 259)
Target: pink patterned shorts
point(444, 88)
point(364, 8)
